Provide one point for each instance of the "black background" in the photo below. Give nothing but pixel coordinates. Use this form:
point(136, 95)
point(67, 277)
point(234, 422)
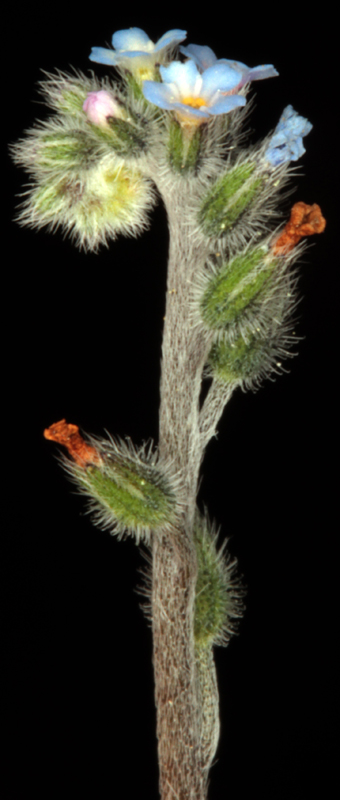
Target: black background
point(82, 340)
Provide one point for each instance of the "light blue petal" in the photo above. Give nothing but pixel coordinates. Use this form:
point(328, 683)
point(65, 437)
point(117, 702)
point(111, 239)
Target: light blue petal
point(219, 77)
point(287, 112)
point(102, 55)
point(278, 139)
point(261, 73)
point(125, 54)
point(249, 74)
point(203, 57)
point(238, 65)
point(221, 107)
point(226, 104)
point(286, 143)
point(130, 39)
point(308, 127)
point(294, 127)
point(277, 156)
point(297, 149)
point(171, 37)
point(299, 127)
point(159, 94)
point(185, 76)
point(278, 153)
point(291, 125)
point(292, 121)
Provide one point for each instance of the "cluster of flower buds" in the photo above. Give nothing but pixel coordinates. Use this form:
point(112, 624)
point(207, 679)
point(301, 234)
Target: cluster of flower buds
point(92, 162)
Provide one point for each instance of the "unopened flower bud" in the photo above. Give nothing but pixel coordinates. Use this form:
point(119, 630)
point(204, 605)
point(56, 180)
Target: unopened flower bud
point(99, 106)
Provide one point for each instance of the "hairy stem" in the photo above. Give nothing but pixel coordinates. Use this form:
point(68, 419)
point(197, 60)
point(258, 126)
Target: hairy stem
point(212, 410)
point(174, 561)
point(177, 701)
point(184, 353)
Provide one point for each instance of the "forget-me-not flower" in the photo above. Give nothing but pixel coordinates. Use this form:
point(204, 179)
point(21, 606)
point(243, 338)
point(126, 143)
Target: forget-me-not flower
point(286, 143)
point(204, 57)
point(192, 95)
point(134, 51)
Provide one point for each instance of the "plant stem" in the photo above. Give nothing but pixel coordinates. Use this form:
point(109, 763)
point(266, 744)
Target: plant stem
point(174, 560)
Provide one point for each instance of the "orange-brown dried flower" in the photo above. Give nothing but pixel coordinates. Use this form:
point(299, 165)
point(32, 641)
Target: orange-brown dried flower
point(69, 436)
point(304, 221)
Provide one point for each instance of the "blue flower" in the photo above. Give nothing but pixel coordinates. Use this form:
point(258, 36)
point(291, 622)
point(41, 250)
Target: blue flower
point(133, 50)
point(192, 95)
point(286, 143)
point(204, 57)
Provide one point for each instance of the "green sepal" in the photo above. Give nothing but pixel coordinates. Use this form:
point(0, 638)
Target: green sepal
point(247, 361)
point(78, 148)
point(183, 147)
point(235, 287)
point(237, 361)
point(228, 199)
point(67, 149)
point(122, 137)
point(127, 494)
point(218, 595)
point(135, 86)
point(72, 100)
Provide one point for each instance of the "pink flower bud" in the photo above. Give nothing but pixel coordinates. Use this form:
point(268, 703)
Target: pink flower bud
point(100, 105)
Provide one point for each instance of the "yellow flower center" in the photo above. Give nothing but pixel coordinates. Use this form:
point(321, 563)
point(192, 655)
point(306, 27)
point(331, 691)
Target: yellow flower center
point(144, 73)
point(195, 102)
